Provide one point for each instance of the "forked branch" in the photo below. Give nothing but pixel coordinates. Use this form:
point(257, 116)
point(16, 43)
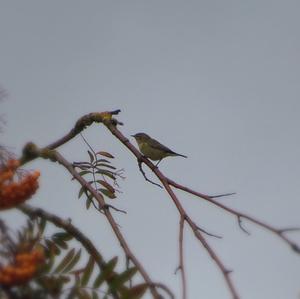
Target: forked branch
point(111, 124)
point(56, 157)
point(279, 232)
point(168, 182)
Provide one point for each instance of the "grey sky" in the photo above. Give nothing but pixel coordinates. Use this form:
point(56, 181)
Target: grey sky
point(215, 80)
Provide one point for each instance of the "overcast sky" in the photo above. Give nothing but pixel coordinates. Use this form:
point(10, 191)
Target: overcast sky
point(215, 80)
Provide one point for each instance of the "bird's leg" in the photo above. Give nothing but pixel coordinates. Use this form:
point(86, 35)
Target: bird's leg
point(143, 173)
point(157, 163)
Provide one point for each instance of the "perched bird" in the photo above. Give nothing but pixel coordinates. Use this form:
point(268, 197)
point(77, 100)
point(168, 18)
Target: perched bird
point(152, 149)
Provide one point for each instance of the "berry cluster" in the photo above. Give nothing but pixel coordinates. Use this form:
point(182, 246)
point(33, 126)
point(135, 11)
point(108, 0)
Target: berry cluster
point(22, 269)
point(13, 192)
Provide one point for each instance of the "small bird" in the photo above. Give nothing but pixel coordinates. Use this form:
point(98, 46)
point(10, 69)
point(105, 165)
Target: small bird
point(153, 149)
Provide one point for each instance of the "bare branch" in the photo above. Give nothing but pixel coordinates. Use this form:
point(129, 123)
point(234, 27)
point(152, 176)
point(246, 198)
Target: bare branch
point(208, 233)
point(199, 236)
point(289, 229)
point(163, 287)
point(144, 175)
point(222, 195)
point(239, 215)
point(181, 258)
point(111, 124)
point(111, 220)
point(240, 222)
point(81, 124)
point(114, 208)
point(166, 183)
point(60, 159)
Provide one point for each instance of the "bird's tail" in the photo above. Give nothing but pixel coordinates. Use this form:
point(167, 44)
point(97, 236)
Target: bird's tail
point(176, 154)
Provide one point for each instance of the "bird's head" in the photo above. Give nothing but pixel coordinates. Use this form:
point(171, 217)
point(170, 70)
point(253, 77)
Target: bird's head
point(141, 137)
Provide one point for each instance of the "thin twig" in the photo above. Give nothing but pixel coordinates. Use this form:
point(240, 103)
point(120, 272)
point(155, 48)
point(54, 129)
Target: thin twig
point(199, 236)
point(208, 233)
point(116, 209)
point(81, 124)
point(181, 258)
point(92, 164)
point(222, 195)
point(144, 175)
point(163, 287)
point(289, 229)
point(239, 215)
point(240, 222)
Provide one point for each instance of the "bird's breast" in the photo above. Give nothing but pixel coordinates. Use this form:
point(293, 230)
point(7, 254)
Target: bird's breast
point(150, 152)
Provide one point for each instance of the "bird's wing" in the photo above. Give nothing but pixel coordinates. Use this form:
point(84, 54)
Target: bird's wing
point(157, 145)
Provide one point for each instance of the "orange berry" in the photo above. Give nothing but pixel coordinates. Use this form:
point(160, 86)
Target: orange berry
point(38, 255)
point(19, 272)
point(6, 175)
point(6, 280)
point(8, 270)
point(23, 269)
point(13, 164)
point(15, 193)
point(19, 257)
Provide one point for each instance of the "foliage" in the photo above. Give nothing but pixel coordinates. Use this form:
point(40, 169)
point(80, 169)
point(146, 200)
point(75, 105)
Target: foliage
point(58, 272)
point(100, 174)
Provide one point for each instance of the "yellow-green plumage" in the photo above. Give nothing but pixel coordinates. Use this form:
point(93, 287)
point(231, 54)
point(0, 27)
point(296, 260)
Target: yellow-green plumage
point(152, 149)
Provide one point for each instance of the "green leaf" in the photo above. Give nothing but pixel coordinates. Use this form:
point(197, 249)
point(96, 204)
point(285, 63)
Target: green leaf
point(95, 295)
point(107, 193)
point(62, 236)
point(64, 279)
point(42, 225)
point(81, 191)
point(92, 158)
point(84, 172)
point(50, 260)
point(102, 160)
point(29, 225)
point(84, 167)
point(65, 261)
point(61, 243)
point(105, 165)
point(105, 154)
point(73, 262)
point(83, 294)
point(106, 273)
point(106, 173)
point(80, 164)
point(120, 279)
point(135, 292)
point(77, 281)
point(88, 203)
point(52, 247)
point(88, 271)
point(107, 186)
